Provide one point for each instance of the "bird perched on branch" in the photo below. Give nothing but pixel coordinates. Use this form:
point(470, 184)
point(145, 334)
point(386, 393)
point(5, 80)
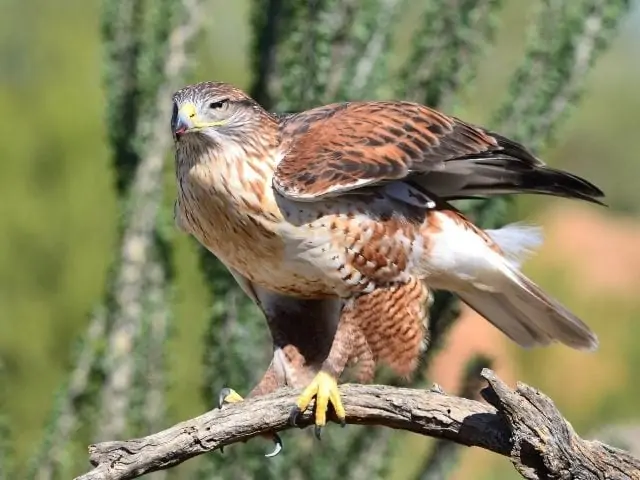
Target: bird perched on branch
point(336, 221)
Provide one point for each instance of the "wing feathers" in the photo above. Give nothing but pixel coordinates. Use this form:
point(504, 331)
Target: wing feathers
point(333, 149)
point(339, 148)
point(501, 175)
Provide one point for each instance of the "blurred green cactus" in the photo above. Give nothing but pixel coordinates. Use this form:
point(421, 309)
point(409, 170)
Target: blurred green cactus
point(303, 53)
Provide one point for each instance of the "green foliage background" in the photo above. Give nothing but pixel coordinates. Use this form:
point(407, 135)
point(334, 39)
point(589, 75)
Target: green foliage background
point(61, 215)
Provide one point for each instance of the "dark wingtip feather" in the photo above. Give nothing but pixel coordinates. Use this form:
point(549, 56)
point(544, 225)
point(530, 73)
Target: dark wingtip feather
point(515, 149)
point(540, 178)
point(568, 184)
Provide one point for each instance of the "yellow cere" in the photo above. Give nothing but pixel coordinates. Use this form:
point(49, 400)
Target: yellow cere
point(188, 111)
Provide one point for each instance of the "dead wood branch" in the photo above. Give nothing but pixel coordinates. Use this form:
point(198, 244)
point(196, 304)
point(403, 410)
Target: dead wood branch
point(522, 424)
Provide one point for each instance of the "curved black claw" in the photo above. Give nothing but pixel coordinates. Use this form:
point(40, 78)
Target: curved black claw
point(278, 448)
point(318, 429)
point(293, 416)
point(224, 393)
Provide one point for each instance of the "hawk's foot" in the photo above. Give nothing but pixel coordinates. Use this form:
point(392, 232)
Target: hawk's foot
point(324, 388)
point(229, 395)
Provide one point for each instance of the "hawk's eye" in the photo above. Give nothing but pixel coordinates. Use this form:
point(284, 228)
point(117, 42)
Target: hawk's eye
point(218, 104)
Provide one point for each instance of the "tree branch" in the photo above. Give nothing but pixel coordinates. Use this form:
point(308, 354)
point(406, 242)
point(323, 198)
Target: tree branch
point(445, 454)
point(522, 424)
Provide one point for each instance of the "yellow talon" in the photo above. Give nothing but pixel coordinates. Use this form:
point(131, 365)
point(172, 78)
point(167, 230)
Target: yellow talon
point(228, 395)
point(324, 388)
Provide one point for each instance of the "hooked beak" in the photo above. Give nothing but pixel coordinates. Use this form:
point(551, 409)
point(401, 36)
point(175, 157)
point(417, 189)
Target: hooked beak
point(183, 119)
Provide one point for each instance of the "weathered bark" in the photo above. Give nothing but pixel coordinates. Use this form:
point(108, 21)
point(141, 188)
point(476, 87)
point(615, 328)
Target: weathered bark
point(522, 424)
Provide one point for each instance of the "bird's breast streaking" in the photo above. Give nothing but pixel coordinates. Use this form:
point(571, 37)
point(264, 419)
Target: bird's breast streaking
point(337, 246)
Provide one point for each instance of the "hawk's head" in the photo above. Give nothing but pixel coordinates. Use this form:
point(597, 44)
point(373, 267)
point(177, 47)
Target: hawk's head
point(216, 113)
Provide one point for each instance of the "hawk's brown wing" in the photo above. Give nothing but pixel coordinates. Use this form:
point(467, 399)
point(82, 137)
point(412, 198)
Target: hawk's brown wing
point(337, 148)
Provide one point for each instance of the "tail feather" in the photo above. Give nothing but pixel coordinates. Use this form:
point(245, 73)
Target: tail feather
point(489, 281)
point(527, 315)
